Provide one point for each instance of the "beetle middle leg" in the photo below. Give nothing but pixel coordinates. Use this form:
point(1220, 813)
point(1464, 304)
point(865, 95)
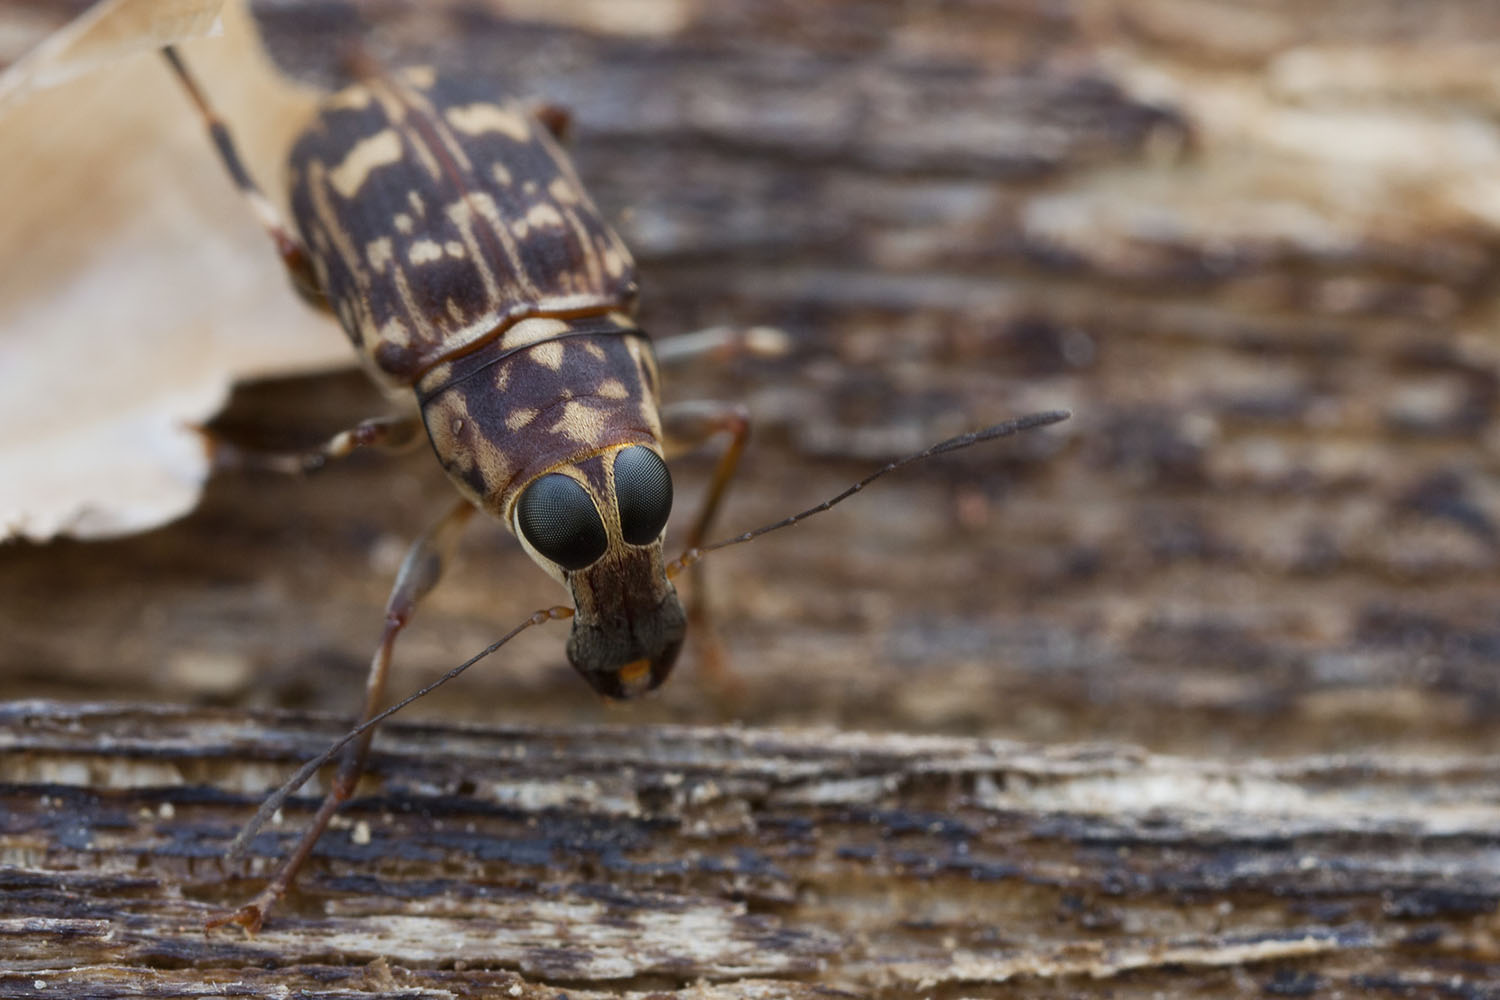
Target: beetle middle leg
point(423, 567)
point(392, 434)
point(686, 426)
point(722, 343)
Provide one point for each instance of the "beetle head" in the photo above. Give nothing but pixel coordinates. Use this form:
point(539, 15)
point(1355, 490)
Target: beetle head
point(596, 526)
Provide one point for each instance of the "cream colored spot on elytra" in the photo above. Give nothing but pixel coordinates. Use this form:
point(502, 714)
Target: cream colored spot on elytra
point(501, 174)
point(461, 212)
point(582, 423)
point(519, 229)
point(424, 252)
point(403, 223)
point(454, 248)
point(395, 332)
point(565, 193)
point(593, 350)
point(548, 355)
point(370, 153)
point(544, 215)
point(378, 253)
point(529, 187)
point(520, 418)
point(454, 312)
point(613, 388)
point(354, 98)
point(477, 119)
point(417, 204)
point(419, 76)
point(614, 264)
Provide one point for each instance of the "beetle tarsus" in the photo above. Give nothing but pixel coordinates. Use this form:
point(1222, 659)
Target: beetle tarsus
point(250, 917)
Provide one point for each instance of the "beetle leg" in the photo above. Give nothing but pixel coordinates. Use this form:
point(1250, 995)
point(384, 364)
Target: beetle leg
point(723, 343)
point(393, 434)
point(686, 426)
point(294, 255)
point(420, 572)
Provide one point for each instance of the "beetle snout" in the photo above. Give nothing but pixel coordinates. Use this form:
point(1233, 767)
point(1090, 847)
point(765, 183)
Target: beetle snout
point(626, 657)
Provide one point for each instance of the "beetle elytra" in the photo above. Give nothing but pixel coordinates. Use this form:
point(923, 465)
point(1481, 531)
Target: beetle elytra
point(451, 238)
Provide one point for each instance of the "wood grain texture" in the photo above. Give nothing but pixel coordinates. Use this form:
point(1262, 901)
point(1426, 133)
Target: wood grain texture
point(1251, 245)
point(608, 860)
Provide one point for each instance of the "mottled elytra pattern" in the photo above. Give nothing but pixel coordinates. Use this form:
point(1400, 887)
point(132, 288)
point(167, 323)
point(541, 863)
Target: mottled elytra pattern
point(437, 217)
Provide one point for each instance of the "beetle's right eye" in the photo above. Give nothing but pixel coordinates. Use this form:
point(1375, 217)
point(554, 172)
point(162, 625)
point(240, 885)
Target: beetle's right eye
point(558, 517)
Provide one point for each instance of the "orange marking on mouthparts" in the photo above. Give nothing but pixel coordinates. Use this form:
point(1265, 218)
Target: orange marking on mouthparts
point(635, 671)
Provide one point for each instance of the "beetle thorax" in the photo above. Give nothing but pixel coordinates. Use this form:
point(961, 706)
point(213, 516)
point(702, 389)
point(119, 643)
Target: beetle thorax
point(548, 394)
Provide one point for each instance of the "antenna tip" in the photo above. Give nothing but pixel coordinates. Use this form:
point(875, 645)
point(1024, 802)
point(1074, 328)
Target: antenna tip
point(1033, 420)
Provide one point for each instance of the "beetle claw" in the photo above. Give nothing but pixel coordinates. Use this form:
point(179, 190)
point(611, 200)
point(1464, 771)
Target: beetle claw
point(250, 916)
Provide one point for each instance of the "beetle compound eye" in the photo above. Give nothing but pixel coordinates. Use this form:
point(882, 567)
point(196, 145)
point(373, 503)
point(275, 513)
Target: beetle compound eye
point(643, 489)
point(558, 518)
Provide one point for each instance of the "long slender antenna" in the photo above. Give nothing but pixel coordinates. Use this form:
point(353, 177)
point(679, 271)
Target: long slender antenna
point(278, 798)
point(1000, 430)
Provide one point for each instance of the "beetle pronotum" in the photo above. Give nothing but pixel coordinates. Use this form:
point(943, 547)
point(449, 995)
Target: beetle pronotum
point(451, 238)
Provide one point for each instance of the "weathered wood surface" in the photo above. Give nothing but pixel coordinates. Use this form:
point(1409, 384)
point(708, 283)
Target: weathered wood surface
point(770, 862)
point(1252, 245)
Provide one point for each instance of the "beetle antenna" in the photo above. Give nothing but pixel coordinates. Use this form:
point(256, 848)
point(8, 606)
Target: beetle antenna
point(278, 798)
point(1000, 430)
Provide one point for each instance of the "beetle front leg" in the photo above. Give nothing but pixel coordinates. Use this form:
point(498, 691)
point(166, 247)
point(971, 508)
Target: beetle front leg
point(722, 344)
point(393, 434)
point(420, 572)
point(293, 252)
point(686, 426)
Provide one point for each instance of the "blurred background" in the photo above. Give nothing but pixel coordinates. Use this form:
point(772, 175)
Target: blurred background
point(1251, 245)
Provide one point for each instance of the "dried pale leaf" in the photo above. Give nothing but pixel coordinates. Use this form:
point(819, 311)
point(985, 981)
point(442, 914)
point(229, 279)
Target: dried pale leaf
point(137, 285)
point(106, 33)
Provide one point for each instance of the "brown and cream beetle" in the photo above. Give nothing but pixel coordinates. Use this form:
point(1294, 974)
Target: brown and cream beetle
point(452, 239)
point(449, 234)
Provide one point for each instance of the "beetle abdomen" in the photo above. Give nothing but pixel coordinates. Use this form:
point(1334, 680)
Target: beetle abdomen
point(437, 217)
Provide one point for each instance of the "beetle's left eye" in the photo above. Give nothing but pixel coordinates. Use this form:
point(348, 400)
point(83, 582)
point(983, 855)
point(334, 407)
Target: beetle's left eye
point(558, 518)
point(643, 489)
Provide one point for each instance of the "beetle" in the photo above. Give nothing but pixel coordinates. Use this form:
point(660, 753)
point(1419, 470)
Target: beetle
point(450, 236)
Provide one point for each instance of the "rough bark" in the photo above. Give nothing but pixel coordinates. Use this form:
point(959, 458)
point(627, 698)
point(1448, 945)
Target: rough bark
point(1252, 245)
point(736, 863)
